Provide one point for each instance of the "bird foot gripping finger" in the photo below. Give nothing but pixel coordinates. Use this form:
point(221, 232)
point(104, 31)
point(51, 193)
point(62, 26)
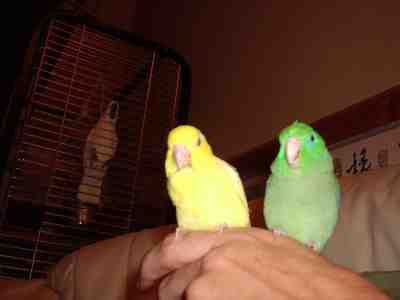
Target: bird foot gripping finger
point(222, 227)
point(178, 230)
point(312, 245)
point(278, 232)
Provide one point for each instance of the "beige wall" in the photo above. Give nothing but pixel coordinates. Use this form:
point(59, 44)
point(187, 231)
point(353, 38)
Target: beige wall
point(260, 65)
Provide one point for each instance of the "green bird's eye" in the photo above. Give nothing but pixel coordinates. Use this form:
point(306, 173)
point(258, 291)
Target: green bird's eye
point(312, 139)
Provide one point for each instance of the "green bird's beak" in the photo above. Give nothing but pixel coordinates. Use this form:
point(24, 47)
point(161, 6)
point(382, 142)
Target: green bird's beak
point(292, 151)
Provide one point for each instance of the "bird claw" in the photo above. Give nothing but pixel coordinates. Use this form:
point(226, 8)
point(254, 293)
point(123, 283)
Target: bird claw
point(222, 227)
point(312, 245)
point(279, 232)
point(178, 230)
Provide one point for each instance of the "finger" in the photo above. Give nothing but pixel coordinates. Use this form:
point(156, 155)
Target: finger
point(173, 253)
point(241, 262)
point(174, 285)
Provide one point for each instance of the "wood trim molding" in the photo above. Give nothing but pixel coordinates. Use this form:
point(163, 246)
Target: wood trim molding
point(374, 112)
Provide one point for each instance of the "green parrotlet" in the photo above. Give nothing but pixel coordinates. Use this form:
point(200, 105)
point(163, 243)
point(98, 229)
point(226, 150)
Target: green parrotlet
point(302, 195)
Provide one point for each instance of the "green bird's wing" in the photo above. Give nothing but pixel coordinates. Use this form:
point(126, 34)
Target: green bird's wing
point(306, 209)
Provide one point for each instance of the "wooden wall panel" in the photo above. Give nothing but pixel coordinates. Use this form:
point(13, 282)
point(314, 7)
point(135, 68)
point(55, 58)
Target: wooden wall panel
point(374, 112)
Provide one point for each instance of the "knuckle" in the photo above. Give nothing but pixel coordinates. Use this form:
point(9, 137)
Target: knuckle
point(168, 241)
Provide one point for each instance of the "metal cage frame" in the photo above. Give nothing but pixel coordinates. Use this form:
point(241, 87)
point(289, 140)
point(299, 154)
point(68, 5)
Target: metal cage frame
point(28, 252)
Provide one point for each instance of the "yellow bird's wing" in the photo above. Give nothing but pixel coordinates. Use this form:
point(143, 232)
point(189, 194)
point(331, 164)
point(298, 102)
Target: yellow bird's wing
point(236, 181)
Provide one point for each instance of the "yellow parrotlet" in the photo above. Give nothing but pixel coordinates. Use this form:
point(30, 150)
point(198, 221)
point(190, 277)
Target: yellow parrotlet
point(207, 192)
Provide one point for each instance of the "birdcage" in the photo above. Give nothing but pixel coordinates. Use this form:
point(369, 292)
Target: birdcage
point(86, 162)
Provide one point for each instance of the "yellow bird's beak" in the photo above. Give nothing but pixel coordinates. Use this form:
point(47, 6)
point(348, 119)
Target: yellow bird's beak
point(181, 156)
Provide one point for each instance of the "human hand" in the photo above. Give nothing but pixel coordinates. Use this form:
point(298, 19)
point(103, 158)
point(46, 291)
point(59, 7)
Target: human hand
point(248, 263)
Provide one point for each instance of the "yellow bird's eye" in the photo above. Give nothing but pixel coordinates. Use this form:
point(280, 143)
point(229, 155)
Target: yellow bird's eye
point(199, 141)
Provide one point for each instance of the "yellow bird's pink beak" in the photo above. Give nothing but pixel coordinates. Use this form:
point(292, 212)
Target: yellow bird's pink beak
point(182, 156)
point(292, 151)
